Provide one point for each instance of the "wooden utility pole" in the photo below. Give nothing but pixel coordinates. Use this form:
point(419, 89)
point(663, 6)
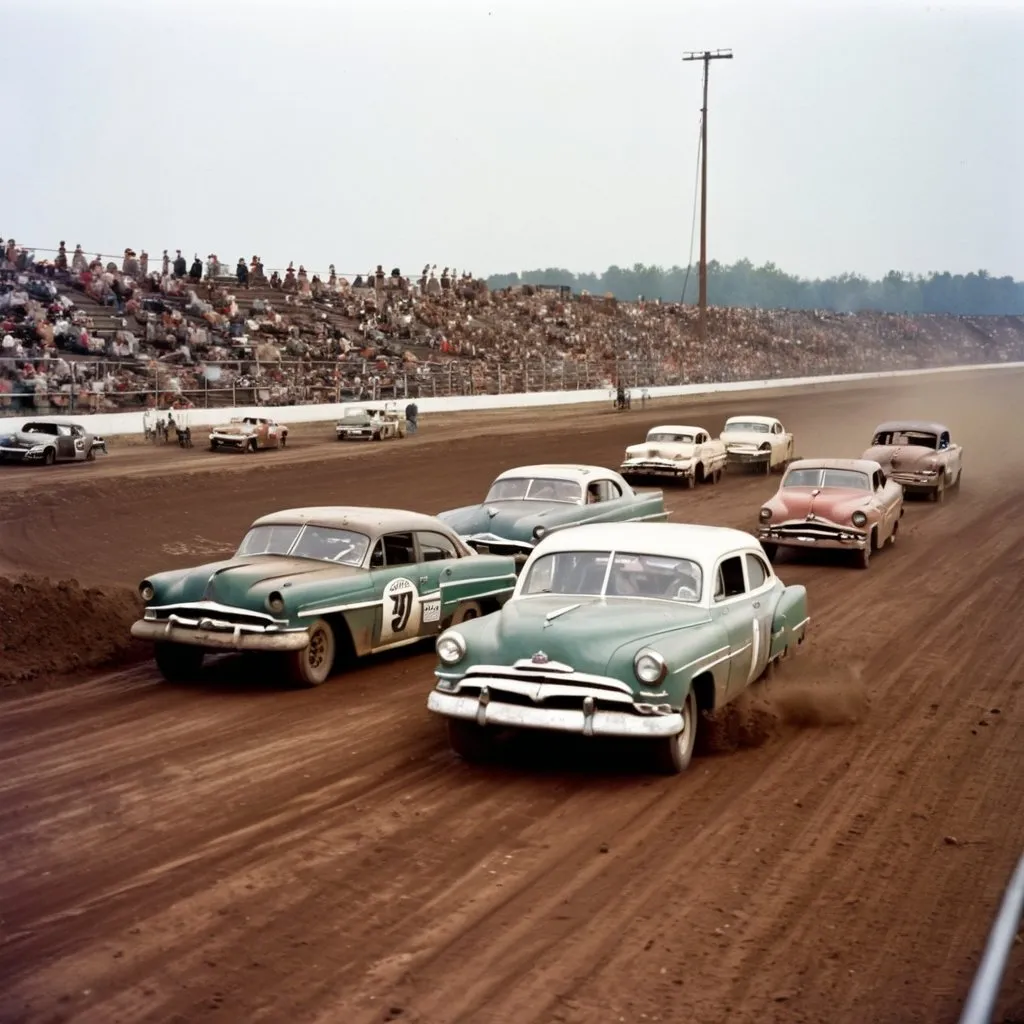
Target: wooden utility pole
point(707, 56)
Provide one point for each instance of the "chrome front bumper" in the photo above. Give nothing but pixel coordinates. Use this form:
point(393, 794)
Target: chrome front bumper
point(232, 439)
point(237, 639)
point(590, 721)
point(840, 540)
point(652, 468)
point(746, 457)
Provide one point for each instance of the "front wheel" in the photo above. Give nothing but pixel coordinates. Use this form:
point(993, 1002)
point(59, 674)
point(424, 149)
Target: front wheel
point(468, 740)
point(467, 610)
point(673, 754)
point(178, 662)
point(770, 551)
point(312, 665)
point(49, 457)
point(864, 554)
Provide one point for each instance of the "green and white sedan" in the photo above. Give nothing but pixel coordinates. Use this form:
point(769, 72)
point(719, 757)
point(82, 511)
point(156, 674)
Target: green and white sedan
point(625, 629)
point(320, 584)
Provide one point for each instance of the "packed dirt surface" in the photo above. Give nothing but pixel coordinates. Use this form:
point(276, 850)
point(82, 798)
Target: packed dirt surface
point(231, 850)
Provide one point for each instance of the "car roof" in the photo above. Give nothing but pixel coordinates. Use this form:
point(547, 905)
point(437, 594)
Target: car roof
point(702, 544)
point(676, 429)
point(922, 426)
point(751, 419)
point(857, 465)
point(359, 518)
point(558, 471)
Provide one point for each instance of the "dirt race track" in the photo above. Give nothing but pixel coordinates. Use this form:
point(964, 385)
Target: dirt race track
point(233, 851)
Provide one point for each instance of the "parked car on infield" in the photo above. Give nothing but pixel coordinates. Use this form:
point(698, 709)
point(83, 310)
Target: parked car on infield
point(50, 441)
point(919, 455)
point(624, 629)
point(689, 454)
point(248, 433)
point(844, 504)
point(318, 585)
point(370, 425)
point(757, 441)
point(529, 502)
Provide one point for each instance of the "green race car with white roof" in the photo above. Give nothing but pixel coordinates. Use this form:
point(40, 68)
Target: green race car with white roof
point(625, 629)
point(316, 585)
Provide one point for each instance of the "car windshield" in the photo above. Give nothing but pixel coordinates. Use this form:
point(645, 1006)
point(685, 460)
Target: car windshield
point(746, 427)
point(526, 488)
point(356, 416)
point(324, 543)
point(921, 439)
point(848, 478)
point(586, 574)
point(669, 438)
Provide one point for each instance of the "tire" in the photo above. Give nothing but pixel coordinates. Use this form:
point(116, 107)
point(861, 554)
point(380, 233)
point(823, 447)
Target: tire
point(689, 482)
point(673, 754)
point(251, 446)
point(178, 662)
point(284, 440)
point(313, 664)
point(938, 492)
point(49, 457)
point(956, 482)
point(771, 551)
point(864, 555)
point(90, 455)
point(469, 741)
point(466, 611)
point(214, 446)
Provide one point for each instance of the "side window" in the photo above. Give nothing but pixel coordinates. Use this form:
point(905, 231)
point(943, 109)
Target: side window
point(757, 572)
point(603, 490)
point(398, 549)
point(730, 581)
point(435, 548)
point(612, 490)
point(377, 558)
point(777, 428)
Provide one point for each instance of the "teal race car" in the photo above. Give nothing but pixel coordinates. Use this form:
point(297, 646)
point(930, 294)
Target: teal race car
point(318, 585)
point(625, 629)
point(530, 502)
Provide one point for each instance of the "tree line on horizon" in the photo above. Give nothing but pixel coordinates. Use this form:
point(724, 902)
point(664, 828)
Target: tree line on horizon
point(741, 284)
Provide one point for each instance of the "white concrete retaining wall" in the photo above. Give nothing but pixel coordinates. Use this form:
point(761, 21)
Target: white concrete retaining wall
point(113, 424)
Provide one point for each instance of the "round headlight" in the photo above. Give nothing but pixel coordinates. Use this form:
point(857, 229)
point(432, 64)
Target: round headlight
point(450, 647)
point(650, 668)
point(146, 591)
point(538, 532)
point(275, 602)
point(765, 514)
point(858, 518)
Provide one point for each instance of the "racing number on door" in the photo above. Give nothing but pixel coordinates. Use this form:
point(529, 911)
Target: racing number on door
point(401, 612)
point(401, 609)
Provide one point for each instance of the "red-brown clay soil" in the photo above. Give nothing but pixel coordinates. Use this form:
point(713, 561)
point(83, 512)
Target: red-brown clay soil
point(230, 850)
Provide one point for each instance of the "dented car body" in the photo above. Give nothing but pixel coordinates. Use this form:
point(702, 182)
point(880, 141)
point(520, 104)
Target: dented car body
point(687, 454)
point(248, 434)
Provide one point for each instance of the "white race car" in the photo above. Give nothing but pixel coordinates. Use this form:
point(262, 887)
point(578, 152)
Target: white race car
point(689, 454)
point(758, 441)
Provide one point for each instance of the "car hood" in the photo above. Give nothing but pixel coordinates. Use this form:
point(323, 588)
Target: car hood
point(836, 504)
point(248, 581)
point(900, 456)
point(660, 450)
point(513, 520)
point(233, 428)
point(584, 632)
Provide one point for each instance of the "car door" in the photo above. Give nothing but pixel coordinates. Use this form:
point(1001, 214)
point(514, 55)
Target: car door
point(951, 454)
point(780, 447)
point(761, 592)
point(731, 607)
point(396, 582)
point(888, 501)
point(436, 553)
point(65, 444)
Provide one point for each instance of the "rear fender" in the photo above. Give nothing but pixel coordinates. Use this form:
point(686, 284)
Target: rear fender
point(790, 622)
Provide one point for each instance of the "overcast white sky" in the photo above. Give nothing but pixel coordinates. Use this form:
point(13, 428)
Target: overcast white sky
point(497, 135)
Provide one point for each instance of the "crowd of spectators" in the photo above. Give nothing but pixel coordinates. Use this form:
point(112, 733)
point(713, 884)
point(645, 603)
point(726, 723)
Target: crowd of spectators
point(101, 335)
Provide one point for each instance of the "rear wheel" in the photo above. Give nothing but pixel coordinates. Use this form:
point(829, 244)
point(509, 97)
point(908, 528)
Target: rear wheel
point(673, 754)
point(178, 662)
point(468, 740)
point(312, 665)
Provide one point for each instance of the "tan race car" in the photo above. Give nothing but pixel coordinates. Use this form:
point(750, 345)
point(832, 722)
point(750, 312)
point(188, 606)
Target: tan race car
point(248, 434)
